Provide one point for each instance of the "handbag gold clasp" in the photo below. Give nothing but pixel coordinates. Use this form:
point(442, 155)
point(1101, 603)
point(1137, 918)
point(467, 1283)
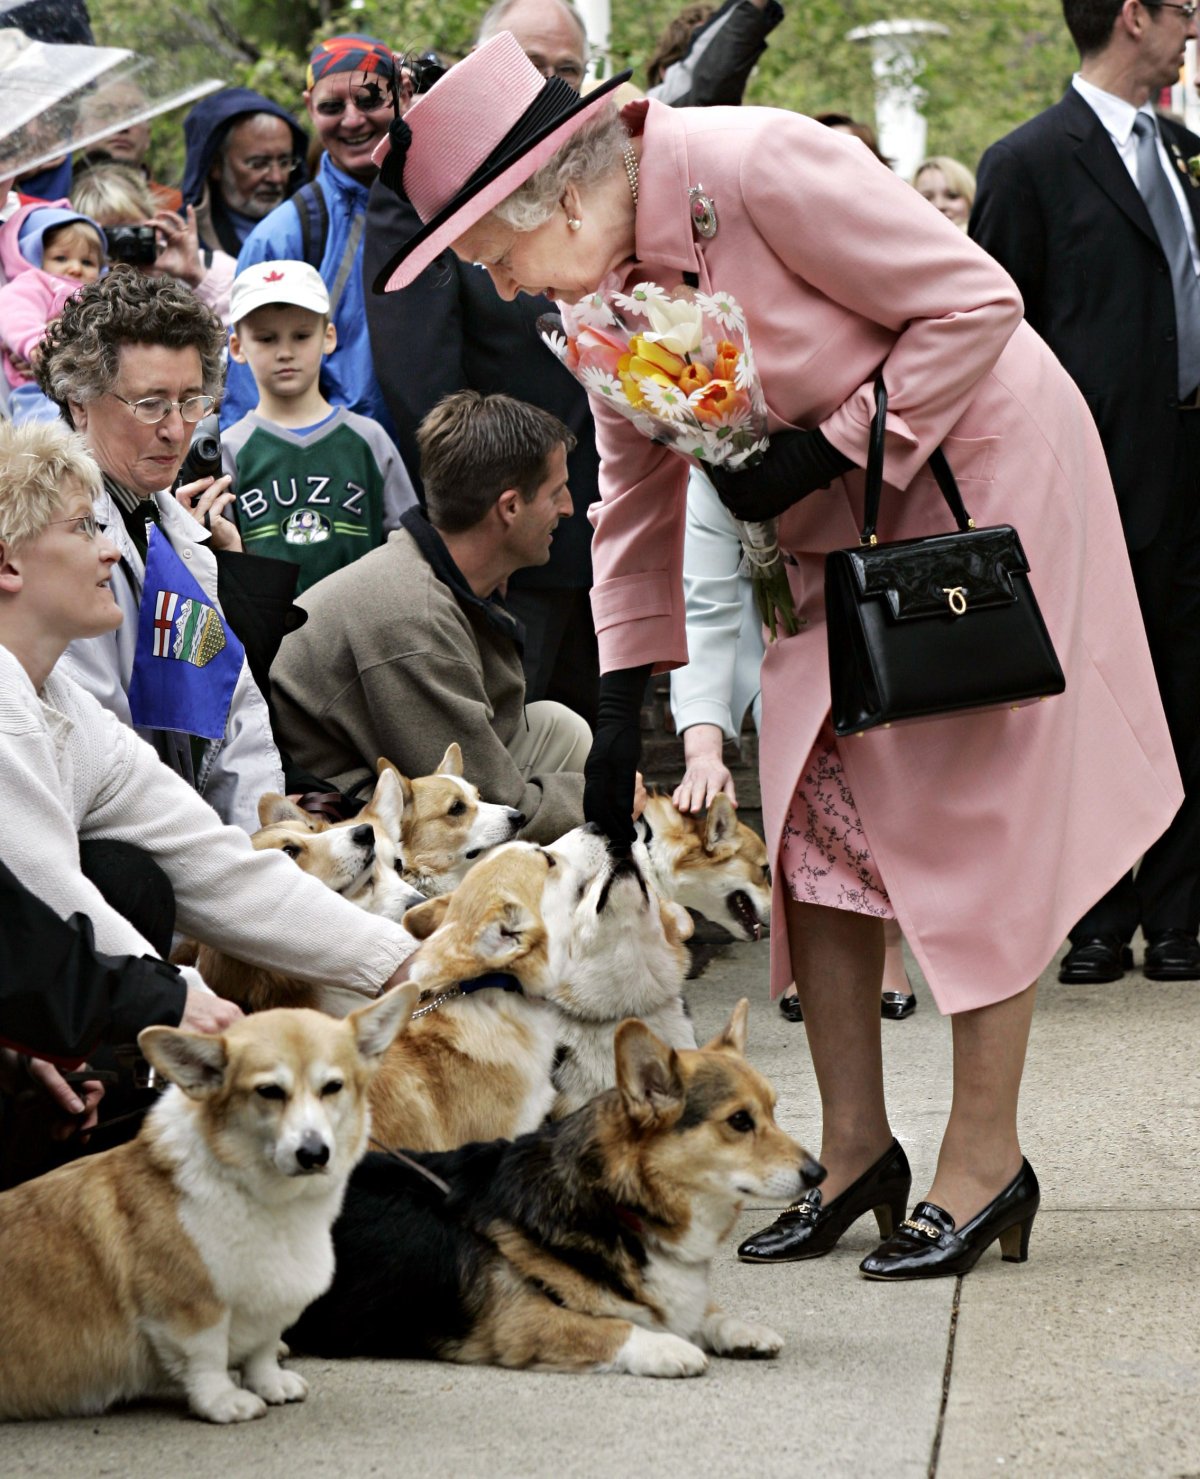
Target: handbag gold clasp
point(957, 597)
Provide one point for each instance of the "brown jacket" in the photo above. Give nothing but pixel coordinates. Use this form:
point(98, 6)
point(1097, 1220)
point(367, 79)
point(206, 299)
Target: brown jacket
point(395, 661)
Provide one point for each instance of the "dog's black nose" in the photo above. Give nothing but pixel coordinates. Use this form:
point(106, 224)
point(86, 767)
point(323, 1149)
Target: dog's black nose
point(363, 836)
point(312, 1152)
point(812, 1173)
point(517, 818)
point(592, 829)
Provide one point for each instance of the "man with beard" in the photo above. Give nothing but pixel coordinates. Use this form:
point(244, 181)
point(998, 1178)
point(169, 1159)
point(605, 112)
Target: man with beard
point(245, 156)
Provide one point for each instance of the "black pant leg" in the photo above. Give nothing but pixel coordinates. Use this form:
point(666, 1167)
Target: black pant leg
point(134, 884)
point(1165, 892)
point(561, 657)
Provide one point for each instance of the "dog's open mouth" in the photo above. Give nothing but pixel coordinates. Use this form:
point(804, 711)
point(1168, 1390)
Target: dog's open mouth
point(744, 912)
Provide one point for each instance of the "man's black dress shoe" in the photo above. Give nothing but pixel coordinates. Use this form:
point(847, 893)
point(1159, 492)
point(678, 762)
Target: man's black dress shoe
point(806, 1229)
point(927, 1245)
point(789, 1008)
point(1102, 958)
point(1171, 955)
point(894, 1006)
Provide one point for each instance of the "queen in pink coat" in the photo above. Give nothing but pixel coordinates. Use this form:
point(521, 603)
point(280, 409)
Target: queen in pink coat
point(984, 835)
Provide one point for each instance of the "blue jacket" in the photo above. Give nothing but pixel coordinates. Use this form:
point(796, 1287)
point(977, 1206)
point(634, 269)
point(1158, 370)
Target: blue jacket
point(348, 374)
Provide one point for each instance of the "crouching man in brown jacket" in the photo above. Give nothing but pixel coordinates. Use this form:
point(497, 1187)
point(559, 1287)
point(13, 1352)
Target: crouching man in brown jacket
point(411, 647)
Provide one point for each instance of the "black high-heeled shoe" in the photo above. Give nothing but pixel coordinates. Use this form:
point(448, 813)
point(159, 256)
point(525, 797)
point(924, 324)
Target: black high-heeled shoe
point(894, 1006)
point(806, 1229)
point(790, 1009)
point(927, 1245)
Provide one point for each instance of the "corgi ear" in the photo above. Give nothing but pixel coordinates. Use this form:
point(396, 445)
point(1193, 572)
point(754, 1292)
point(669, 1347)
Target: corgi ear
point(275, 808)
point(406, 795)
point(376, 1027)
point(387, 802)
point(720, 825)
point(732, 1037)
point(451, 762)
point(422, 919)
point(509, 934)
point(648, 1077)
point(196, 1061)
point(676, 921)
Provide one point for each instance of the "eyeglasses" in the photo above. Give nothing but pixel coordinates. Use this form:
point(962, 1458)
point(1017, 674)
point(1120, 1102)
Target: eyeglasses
point(86, 524)
point(152, 409)
point(261, 164)
point(570, 72)
point(1187, 10)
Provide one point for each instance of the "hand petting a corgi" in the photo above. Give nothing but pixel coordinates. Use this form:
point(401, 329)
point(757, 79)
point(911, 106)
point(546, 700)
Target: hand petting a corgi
point(155, 1268)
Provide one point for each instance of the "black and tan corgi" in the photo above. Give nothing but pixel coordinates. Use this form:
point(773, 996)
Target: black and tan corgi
point(584, 1246)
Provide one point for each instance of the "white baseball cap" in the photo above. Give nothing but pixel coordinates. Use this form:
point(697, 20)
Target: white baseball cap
point(277, 282)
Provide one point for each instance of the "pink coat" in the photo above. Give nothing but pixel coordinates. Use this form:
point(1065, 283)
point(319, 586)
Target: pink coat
point(27, 304)
point(993, 831)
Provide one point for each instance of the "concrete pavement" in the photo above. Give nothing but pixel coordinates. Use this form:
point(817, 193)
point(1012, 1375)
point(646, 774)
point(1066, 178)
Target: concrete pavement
point(1085, 1361)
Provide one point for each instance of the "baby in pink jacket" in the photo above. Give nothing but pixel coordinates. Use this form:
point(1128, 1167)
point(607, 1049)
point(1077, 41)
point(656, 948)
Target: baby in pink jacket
point(49, 252)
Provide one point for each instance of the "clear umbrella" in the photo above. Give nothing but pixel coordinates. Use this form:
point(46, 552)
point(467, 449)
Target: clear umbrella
point(56, 99)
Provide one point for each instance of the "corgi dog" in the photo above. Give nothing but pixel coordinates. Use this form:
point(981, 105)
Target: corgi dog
point(158, 1266)
point(475, 1062)
point(714, 864)
point(627, 958)
point(584, 1246)
point(355, 858)
point(445, 827)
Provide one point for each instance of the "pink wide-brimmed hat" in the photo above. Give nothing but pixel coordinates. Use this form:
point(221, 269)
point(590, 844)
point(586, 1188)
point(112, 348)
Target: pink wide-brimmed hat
point(477, 135)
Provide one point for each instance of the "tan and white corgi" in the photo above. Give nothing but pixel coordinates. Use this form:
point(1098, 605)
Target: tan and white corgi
point(626, 958)
point(476, 1060)
point(445, 826)
point(355, 858)
point(585, 1246)
point(157, 1267)
point(713, 864)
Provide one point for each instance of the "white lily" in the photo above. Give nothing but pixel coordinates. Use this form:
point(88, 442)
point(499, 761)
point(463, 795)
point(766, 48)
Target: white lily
point(677, 326)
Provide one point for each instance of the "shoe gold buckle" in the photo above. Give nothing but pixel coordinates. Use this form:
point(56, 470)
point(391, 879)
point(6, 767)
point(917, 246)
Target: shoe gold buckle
point(922, 1226)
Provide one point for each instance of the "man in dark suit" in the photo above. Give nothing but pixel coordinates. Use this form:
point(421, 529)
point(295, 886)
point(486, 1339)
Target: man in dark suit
point(1094, 207)
point(450, 330)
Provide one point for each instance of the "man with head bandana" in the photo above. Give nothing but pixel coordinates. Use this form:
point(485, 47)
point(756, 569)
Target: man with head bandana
point(349, 100)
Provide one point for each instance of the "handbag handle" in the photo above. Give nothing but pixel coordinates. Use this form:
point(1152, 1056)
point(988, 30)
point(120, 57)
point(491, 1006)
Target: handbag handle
point(937, 464)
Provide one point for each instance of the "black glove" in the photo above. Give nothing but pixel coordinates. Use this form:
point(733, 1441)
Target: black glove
point(610, 773)
point(796, 464)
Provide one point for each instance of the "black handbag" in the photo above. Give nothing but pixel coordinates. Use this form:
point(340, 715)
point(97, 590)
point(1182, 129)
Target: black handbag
point(934, 625)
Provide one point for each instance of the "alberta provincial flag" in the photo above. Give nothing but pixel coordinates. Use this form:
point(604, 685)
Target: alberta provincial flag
point(186, 662)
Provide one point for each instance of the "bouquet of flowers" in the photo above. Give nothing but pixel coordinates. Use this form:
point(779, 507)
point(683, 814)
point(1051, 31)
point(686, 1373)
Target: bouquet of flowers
point(680, 367)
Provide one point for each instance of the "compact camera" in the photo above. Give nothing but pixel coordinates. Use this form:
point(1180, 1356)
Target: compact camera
point(136, 246)
point(204, 455)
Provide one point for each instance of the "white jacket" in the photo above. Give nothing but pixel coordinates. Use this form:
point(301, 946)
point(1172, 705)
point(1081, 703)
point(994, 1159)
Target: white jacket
point(69, 769)
point(236, 770)
point(724, 633)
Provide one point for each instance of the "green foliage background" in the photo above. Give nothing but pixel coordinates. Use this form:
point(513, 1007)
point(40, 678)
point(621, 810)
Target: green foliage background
point(1003, 60)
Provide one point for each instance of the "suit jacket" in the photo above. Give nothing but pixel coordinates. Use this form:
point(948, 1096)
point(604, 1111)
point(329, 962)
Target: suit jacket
point(1056, 206)
point(993, 831)
point(450, 330)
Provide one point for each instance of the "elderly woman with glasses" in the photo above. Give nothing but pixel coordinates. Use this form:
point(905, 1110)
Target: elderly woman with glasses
point(135, 362)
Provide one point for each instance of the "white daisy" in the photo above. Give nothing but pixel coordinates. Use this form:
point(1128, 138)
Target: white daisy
point(667, 401)
point(724, 309)
point(599, 382)
point(556, 342)
point(592, 311)
point(745, 372)
point(748, 456)
point(738, 419)
point(635, 300)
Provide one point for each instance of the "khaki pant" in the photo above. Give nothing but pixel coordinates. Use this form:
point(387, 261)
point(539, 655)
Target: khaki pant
point(556, 740)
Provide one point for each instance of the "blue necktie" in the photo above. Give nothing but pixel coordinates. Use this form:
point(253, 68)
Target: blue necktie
point(1164, 212)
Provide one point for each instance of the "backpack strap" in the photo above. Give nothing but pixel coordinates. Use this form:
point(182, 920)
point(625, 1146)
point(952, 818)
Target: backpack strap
point(313, 211)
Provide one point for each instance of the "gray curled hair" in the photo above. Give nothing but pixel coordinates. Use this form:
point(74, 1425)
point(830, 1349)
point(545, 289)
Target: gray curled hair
point(81, 351)
point(584, 159)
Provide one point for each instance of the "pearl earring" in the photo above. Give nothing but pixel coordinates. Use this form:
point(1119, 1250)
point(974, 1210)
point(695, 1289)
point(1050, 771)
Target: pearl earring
point(573, 223)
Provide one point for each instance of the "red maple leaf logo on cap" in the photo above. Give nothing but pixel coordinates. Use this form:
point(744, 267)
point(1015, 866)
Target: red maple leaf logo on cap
point(273, 277)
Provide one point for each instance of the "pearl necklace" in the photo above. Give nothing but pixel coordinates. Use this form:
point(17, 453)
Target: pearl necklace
point(631, 172)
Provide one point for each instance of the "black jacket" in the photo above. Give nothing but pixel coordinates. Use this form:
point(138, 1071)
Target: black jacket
point(59, 996)
point(450, 330)
point(1057, 207)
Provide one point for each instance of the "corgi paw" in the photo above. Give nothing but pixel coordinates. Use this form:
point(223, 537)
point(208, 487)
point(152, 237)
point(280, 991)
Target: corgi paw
point(648, 1353)
point(233, 1406)
point(726, 1335)
point(277, 1387)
